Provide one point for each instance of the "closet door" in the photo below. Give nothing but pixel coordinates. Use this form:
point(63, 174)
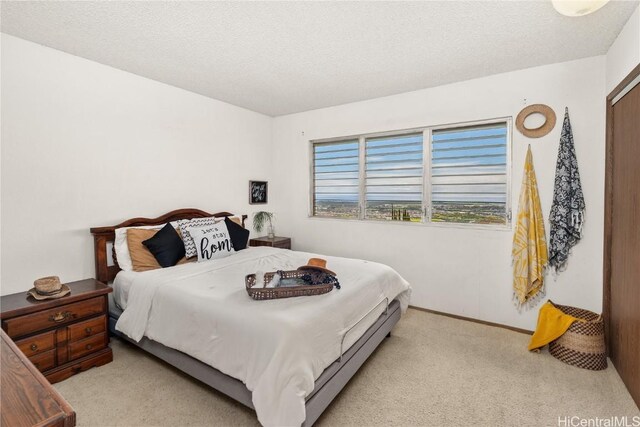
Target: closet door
point(622, 234)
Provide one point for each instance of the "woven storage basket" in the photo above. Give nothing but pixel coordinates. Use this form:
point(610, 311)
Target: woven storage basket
point(259, 292)
point(583, 343)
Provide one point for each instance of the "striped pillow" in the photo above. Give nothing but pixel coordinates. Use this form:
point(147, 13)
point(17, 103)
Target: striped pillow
point(184, 224)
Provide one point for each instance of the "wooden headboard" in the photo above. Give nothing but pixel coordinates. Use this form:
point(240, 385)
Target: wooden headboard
point(104, 235)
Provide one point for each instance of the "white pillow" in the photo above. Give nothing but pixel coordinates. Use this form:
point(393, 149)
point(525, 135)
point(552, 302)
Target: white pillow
point(186, 224)
point(212, 241)
point(121, 247)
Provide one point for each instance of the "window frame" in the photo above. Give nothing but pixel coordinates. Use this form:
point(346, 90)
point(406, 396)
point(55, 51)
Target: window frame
point(427, 132)
point(312, 172)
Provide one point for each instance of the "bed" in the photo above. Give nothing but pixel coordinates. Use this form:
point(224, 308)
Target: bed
point(287, 358)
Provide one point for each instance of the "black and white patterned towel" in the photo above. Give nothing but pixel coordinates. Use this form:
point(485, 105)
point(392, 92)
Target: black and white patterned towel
point(567, 210)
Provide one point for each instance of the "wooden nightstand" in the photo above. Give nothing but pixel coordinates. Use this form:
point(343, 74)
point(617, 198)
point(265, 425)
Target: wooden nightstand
point(276, 242)
point(63, 336)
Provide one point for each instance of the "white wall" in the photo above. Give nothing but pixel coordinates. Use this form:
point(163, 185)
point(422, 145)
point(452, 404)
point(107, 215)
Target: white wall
point(87, 145)
point(624, 54)
point(455, 270)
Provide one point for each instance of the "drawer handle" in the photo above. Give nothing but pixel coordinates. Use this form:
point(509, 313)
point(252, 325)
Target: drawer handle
point(88, 331)
point(60, 316)
point(88, 346)
point(34, 347)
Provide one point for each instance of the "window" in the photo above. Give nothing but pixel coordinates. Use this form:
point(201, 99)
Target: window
point(455, 174)
point(394, 177)
point(336, 179)
point(469, 174)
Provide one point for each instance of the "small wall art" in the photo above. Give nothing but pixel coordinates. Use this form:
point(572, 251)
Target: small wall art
point(258, 192)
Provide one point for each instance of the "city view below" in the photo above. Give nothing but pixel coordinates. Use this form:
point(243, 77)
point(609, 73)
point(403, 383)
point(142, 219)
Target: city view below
point(457, 212)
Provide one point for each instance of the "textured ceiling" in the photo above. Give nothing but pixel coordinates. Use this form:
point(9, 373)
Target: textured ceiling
point(285, 57)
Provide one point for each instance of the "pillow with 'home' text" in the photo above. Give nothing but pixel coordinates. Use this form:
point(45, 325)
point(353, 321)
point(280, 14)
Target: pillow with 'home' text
point(212, 241)
point(186, 224)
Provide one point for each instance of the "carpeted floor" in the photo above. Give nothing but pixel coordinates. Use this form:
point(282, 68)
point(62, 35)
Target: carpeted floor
point(433, 371)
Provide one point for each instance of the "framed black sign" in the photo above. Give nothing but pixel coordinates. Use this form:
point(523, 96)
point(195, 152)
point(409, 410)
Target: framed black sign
point(257, 192)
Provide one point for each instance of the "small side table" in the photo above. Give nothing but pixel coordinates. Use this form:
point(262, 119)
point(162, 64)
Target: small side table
point(63, 336)
point(276, 242)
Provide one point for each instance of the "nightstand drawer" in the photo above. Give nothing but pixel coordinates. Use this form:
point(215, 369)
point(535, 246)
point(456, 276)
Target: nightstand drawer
point(88, 328)
point(44, 361)
point(86, 346)
point(37, 343)
point(23, 325)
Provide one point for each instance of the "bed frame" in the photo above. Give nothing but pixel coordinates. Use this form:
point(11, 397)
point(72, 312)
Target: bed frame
point(328, 384)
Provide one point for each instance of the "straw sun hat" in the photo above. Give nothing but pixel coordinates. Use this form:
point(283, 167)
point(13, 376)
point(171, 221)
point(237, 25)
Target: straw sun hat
point(48, 288)
point(317, 264)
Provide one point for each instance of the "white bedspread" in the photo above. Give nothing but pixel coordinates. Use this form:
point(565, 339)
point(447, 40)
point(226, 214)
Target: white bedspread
point(278, 348)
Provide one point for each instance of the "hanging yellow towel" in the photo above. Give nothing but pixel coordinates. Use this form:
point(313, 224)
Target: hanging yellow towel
point(529, 242)
point(552, 323)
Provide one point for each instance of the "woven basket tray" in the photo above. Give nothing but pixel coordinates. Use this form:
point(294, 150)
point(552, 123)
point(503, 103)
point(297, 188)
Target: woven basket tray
point(257, 291)
point(583, 343)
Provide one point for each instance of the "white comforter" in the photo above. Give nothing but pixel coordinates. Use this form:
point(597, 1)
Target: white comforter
point(278, 348)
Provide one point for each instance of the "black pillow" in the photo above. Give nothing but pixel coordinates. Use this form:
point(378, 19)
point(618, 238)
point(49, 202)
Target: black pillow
point(166, 246)
point(239, 235)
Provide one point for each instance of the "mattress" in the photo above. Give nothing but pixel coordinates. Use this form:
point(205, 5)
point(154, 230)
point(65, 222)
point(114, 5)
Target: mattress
point(278, 348)
point(121, 286)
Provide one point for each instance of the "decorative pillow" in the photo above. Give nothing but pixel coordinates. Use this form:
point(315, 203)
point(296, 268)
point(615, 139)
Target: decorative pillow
point(212, 241)
point(185, 224)
point(239, 235)
point(140, 257)
point(166, 246)
point(236, 219)
point(121, 246)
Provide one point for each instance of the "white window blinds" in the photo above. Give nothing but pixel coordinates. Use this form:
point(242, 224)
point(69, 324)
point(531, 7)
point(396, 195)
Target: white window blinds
point(394, 177)
point(469, 174)
point(336, 179)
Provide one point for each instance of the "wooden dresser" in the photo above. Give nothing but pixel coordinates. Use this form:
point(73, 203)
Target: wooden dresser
point(27, 398)
point(63, 336)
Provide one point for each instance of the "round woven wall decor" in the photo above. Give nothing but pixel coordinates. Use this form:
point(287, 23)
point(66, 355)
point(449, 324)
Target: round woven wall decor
point(545, 128)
